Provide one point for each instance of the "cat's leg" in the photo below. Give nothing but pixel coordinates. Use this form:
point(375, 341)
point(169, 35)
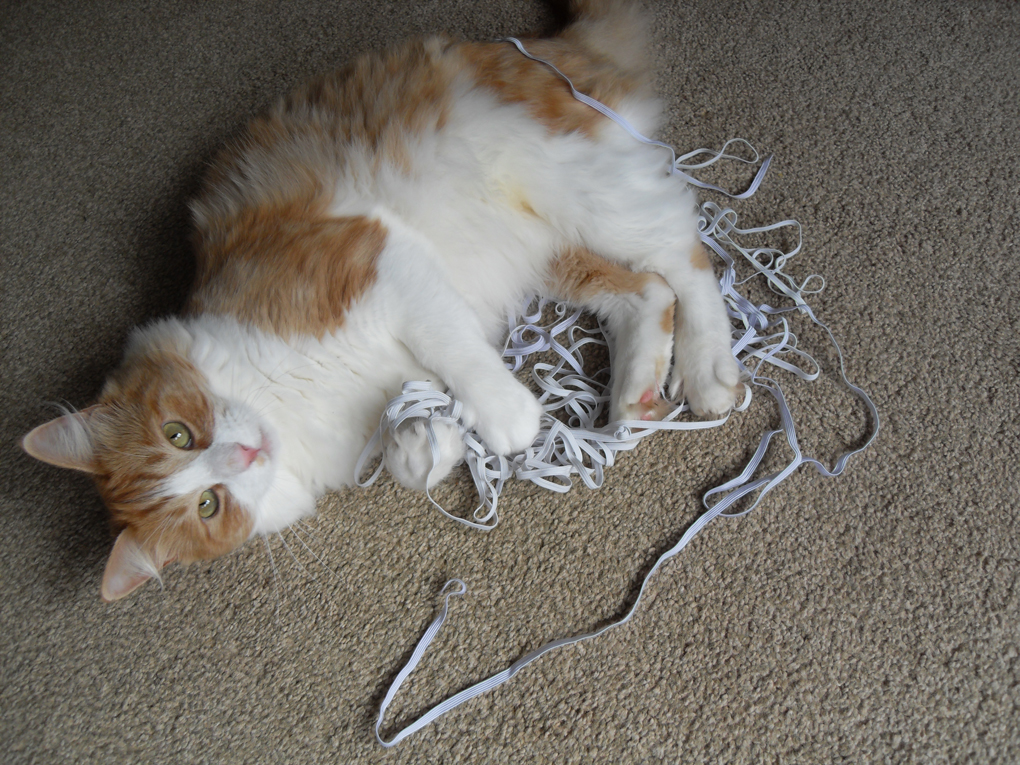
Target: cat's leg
point(704, 368)
point(638, 311)
point(645, 220)
point(445, 336)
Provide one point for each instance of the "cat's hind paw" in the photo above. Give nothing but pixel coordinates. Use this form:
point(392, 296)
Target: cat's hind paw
point(650, 406)
point(710, 383)
point(639, 375)
point(408, 456)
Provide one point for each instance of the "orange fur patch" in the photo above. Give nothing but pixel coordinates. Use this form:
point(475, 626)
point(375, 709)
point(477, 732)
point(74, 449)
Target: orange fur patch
point(515, 79)
point(175, 531)
point(268, 251)
point(579, 274)
point(699, 258)
point(381, 99)
point(288, 275)
point(380, 102)
point(667, 318)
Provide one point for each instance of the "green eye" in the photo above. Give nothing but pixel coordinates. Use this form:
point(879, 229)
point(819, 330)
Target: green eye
point(178, 434)
point(208, 504)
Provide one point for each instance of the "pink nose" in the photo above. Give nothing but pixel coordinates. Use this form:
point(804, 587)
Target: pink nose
point(247, 455)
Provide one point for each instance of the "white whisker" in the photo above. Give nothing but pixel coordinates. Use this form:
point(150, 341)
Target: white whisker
point(310, 550)
point(294, 557)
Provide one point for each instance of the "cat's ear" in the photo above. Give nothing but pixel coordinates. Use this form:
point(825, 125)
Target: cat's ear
point(65, 442)
point(128, 568)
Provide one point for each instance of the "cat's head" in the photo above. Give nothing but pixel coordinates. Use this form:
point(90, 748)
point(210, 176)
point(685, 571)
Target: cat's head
point(182, 471)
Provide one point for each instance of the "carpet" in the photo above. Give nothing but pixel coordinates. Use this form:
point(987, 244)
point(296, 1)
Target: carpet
point(868, 618)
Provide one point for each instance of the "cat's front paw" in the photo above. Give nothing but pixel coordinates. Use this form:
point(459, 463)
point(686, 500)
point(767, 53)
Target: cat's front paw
point(507, 419)
point(710, 381)
point(408, 455)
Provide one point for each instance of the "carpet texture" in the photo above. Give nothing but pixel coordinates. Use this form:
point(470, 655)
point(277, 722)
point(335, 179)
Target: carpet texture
point(868, 618)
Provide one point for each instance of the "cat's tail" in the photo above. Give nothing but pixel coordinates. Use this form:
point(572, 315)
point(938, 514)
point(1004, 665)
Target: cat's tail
point(613, 29)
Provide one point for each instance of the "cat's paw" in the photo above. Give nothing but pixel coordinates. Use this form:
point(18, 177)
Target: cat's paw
point(506, 418)
point(637, 390)
point(408, 456)
point(710, 381)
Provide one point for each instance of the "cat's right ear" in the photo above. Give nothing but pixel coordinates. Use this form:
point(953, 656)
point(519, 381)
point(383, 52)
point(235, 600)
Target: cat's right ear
point(65, 442)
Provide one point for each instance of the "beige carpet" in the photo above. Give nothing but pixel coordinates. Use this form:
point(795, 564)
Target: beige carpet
point(869, 618)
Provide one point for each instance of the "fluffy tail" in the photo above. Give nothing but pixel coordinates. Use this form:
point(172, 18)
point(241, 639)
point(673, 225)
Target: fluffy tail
point(613, 29)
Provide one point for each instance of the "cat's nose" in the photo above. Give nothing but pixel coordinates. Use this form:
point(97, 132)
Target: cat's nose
point(247, 455)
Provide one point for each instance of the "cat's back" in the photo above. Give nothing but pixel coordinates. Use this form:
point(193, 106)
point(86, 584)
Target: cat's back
point(378, 107)
point(270, 249)
point(286, 234)
point(291, 157)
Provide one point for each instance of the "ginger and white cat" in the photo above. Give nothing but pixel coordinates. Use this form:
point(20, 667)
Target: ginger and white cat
point(374, 227)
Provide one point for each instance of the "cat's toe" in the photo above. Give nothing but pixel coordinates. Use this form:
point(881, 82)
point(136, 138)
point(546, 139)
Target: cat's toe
point(650, 406)
point(408, 454)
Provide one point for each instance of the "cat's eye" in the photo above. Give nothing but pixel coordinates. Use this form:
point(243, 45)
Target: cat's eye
point(178, 434)
point(208, 504)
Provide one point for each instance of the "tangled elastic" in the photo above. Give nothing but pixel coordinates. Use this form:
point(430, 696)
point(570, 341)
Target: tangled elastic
point(572, 443)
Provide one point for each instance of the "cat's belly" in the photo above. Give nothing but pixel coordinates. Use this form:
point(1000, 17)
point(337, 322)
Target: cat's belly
point(481, 194)
point(497, 273)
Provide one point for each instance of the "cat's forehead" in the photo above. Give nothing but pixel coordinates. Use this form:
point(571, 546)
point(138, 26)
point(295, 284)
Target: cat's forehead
point(164, 383)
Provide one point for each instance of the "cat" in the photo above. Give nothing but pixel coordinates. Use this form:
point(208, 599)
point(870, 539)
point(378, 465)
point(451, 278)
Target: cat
point(375, 227)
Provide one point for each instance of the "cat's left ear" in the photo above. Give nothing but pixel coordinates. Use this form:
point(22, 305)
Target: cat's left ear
point(129, 567)
point(65, 442)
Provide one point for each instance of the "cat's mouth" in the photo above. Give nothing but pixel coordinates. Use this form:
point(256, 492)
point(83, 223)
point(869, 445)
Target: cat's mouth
point(265, 450)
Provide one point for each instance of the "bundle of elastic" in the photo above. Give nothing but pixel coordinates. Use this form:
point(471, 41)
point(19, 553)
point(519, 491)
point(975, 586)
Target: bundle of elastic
point(572, 445)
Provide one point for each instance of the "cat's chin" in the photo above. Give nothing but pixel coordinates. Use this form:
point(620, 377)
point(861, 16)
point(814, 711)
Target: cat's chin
point(282, 504)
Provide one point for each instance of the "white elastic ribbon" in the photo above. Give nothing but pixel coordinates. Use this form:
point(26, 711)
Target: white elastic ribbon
point(563, 450)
